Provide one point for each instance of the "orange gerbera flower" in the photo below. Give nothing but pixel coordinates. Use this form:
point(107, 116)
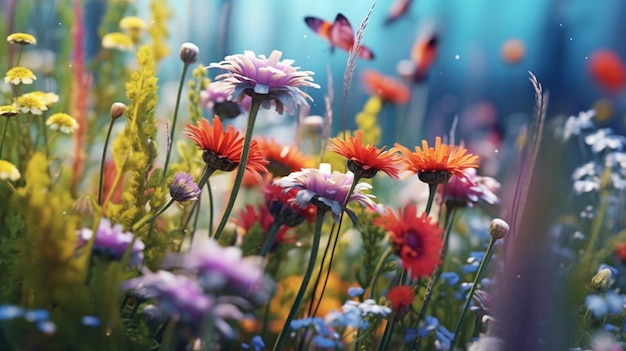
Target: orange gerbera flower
point(222, 149)
point(435, 165)
point(385, 87)
point(283, 159)
point(416, 239)
point(366, 161)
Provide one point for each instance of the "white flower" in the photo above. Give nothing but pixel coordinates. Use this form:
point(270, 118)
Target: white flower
point(589, 169)
point(615, 159)
point(575, 124)
point(604, 139)
point(587, 185)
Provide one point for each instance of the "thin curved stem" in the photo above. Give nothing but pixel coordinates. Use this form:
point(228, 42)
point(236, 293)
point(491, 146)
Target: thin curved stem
point(211, 205)
point(254, 110)
point(470, 295)
point(379, 267)
point(4, 135)
point(271, 236)
point(432, 190)
point(148, 219)
point(280, 341)
point(173, 129)
point(102, 161)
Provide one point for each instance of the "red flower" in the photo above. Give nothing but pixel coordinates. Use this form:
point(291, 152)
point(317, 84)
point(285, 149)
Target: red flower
point(442, 161)
point(366, 161)
point(282, 205)
point(283, 159)
point(620, 252)
point(222, 149)
point(401, 298)
point(385, 87)
point(249, 216)
point(417, 241)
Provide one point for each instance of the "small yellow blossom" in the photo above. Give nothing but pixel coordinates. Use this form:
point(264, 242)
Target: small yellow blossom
point(17, 75)
point(8, 110)
point(132, 23)
point(119, 41)
point(62, 122)
point(8, 171)
point(31, 103)
point(47, 99)
point(21, 39)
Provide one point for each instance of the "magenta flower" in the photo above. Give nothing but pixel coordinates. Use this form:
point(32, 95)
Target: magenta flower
point(278, 80)
point(112, 241)
point(471, 189)
point(323, 188)
point(183, 188)
point(218, 102)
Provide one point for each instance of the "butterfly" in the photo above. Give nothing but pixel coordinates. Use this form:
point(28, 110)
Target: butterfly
point(423, 53)
point(338, 33)
point(397, 9)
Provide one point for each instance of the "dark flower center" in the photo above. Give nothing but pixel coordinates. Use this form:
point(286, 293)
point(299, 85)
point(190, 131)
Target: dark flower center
point(285, 214)
point(359, 171)
point(226, 109)
point(414, 241)
point(214, 161)
point(278, 169)
point(434, 177)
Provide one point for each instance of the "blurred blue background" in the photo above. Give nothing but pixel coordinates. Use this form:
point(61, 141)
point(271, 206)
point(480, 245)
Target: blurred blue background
point(469, 77)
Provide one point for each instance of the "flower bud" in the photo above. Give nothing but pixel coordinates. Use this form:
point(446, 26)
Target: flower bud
point(117, 110)
point(602, 280)
point(189, 52)
point(498, 228)
point(183, 188)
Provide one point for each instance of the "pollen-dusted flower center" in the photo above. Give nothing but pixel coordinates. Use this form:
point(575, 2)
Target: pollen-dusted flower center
point(415, 242)
point(221, 163)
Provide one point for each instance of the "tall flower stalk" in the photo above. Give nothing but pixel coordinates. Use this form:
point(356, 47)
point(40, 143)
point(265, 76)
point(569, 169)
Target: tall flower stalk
point(257, 100)
point(317, 234)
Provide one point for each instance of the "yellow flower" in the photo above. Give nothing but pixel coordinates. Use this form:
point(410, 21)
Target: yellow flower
point(119, 41)
point(47, 99)
point(17, 75)
point(62, 122)
point(31, 103)
point(21, 39)
point(8, 171)
point(131, 23)
point(9, 110)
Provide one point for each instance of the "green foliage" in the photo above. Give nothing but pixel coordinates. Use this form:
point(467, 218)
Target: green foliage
point(372, 251)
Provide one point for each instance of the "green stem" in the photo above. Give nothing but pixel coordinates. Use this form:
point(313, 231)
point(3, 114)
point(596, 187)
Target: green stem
point(305, 281)
point(197, 206)
point(596, 227)
point(254, 110)
point(211, 205)
point(271, 236)
point(387, 335)
point(379, 267)
point(470, 295)
point(44, 132)
point(4, 135)
point(435, 276)
point(432, 190)
point(173, 129)
point(149, 218)
point(168, 336)
point(104, 154)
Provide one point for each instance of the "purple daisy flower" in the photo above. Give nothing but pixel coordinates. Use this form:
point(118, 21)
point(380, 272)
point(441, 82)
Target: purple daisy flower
point(112, 241)
point(471, 189)
point(183, 188)
point(218, 102)
point(321, 187)
point(177, 295)
point(278, 80)
point(219, 268)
